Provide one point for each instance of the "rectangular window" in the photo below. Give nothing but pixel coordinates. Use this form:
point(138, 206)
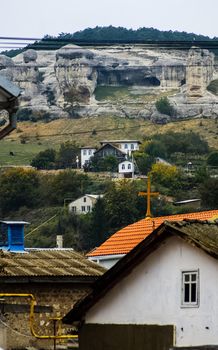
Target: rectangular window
point(84, 152)
point(83, 208)
point(190, 288)
point(90, 151)
point(73, 209)
point(88, 208)
point(84, 199)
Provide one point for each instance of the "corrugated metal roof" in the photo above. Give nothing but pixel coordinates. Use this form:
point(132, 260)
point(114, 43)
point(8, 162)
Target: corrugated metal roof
point(128, 237)
point(9, 87)
point(14, 222)
point(51, 262)
point(201, 234)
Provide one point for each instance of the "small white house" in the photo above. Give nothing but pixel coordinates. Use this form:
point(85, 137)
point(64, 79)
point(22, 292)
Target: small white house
point(126, 169)
point(162, 294)
point(86, 154)
point(84, 204)
point(127, 146)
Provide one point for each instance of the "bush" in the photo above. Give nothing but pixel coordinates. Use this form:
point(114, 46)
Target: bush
point(164, 107)
point(212, 159)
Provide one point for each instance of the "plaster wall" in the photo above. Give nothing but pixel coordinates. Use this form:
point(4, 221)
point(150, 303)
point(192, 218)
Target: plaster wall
point(106, 261)
point(86, 154)
point(80, 202)
point(151, 294)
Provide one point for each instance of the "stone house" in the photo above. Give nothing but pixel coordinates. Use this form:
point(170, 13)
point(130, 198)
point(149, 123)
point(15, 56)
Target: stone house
point(84, 204)
point(124, 240)
point(162, 294)
point(56, 277)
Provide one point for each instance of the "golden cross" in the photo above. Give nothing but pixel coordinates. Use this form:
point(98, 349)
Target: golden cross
point(148, 194)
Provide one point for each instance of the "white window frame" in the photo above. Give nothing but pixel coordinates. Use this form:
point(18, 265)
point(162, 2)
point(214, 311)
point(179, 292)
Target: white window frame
point(83, 208)
point(84, 152)
point(123, 166)
point(129, 166)
point(88, 208)
point(187, 281)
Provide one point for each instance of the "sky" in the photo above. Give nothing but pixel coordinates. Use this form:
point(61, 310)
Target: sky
point(36, 18)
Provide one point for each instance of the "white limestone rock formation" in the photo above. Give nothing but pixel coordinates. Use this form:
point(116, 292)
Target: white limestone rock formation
point(200, 68)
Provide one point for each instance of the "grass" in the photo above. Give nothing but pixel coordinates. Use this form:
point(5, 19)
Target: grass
point(129, 95)
point(38, 136)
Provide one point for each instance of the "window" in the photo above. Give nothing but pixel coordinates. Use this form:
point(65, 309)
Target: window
point(129, 166)
point(73, 209)
point(123, 166)
point(84, 199)
point(84, 152)
point(126, 146)
point(83, 208)
point(132, 146)
point(190, 288)
point(90, 151)
point(88, 208)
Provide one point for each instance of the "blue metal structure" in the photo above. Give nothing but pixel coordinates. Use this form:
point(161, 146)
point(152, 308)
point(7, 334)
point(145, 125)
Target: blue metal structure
point(12, 235)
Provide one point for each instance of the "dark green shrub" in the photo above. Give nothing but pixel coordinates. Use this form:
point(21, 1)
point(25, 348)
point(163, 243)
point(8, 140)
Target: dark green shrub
point(164, 107)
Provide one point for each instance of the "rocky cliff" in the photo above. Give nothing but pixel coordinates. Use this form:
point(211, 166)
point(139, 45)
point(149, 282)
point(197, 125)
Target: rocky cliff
point(116, 80)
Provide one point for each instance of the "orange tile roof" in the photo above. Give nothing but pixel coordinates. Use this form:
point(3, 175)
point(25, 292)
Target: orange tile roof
point(128, 237)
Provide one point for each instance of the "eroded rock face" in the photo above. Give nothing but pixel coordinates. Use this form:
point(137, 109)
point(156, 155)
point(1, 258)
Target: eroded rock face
point(200, 67)
point(76, 76)
point(62, 83)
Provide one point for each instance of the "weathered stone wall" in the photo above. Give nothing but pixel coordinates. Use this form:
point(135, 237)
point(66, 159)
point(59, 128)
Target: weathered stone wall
point(16, 325)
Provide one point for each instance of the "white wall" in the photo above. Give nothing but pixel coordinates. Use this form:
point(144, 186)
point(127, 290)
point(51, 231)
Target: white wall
point(106, 261)
point(125, 165)
point(128, 148)
point(86, 154)
point(151, 294)
point(78, 203)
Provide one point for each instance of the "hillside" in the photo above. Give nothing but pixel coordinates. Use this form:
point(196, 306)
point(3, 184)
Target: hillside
point(31, 138)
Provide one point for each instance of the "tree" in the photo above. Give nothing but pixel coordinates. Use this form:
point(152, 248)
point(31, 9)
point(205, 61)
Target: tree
point(212, 159)
point(164, 174)
point(66, 184)
point(163, 106)
point(44, 159)
point(67, 154)
point(18, 187)
point(209, 193)
point(109, 163)
point(121, 204)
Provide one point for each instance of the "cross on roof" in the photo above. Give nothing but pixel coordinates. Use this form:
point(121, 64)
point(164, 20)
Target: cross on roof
point(148, 194)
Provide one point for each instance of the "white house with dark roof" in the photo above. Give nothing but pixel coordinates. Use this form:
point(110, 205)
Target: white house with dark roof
point(86, 154)
point(84, 204)
point(126, 146)
point(163, 293)
point(126, 169)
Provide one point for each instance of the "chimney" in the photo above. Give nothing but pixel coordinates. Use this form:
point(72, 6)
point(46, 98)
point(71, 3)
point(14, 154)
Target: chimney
point(12, 235)
point(59, 241)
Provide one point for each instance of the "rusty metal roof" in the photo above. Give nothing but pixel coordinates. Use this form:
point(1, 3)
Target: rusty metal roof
point(47, 262)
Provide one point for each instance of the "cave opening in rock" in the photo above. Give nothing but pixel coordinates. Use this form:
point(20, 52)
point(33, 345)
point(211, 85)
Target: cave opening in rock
point(151, 81)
